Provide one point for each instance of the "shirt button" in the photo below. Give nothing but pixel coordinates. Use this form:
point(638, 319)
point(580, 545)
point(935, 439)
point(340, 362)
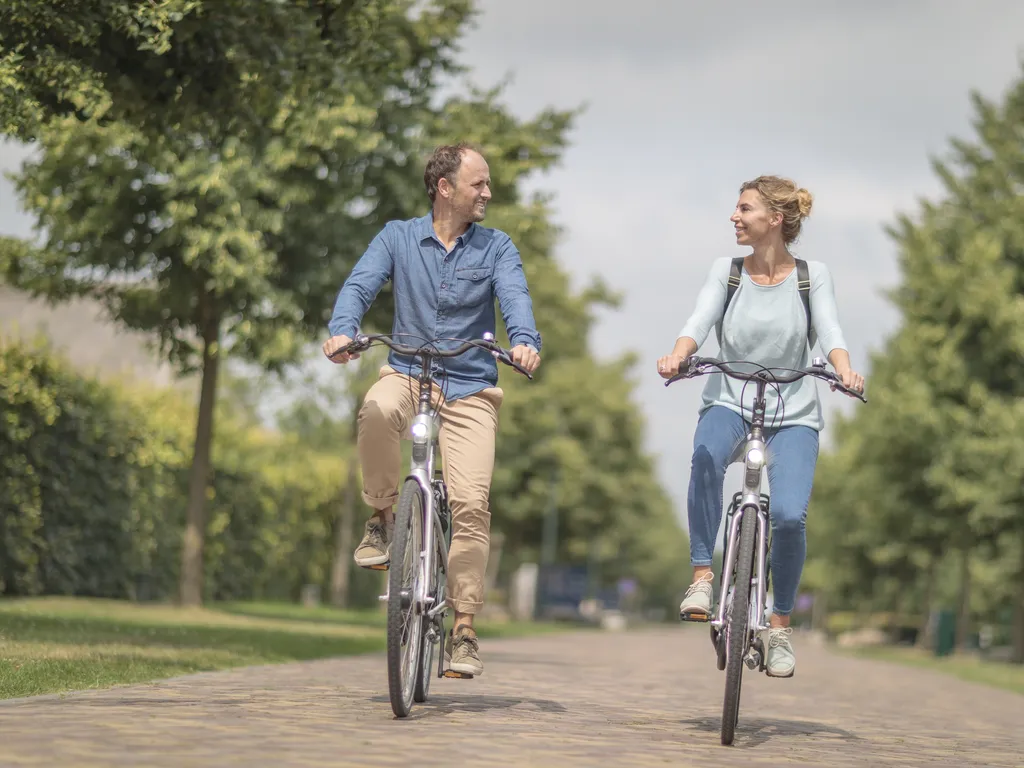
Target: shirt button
point(444, 285)
point(476, 275)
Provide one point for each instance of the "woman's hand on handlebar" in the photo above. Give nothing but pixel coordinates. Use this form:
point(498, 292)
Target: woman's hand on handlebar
point(674, 361)
point(851, 379)
point(333, 346)
point(670, 365)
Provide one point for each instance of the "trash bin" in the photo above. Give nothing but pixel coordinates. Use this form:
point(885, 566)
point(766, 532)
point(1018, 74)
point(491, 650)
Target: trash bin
point(945, 633)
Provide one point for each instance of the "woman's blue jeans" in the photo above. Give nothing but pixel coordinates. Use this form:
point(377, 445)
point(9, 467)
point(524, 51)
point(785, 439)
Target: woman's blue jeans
point(792, 455)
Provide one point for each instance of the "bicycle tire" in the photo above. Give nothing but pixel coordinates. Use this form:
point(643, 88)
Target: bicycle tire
point(428, 650)
point(737, 631)
point(426, 669)
point(405, 631)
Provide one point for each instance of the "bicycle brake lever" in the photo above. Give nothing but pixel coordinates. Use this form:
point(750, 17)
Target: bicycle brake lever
point(505, 357)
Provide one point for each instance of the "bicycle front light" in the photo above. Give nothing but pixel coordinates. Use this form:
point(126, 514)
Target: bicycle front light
point(755, 457)
point(419, 431)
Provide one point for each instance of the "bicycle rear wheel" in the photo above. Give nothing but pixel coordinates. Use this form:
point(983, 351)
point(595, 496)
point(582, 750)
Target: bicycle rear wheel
point(737, 632)
point(405, 619)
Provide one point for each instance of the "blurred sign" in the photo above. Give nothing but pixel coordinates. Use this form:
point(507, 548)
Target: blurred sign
point(560, 590)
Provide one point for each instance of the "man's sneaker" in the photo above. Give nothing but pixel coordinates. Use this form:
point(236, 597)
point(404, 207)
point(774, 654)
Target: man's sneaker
point(781, 661)
point(697, 602)
point(372, 551)
point(462, 653)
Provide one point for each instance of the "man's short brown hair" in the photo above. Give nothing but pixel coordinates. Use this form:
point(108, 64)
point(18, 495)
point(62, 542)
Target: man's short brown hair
point(444, 163)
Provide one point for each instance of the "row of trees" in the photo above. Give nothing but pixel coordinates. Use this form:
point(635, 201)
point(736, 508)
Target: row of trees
point(922, 503)
point(210, 171)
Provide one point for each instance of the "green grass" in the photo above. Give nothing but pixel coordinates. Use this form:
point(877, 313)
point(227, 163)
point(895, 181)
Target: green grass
point(51, 645)
point(997, 674)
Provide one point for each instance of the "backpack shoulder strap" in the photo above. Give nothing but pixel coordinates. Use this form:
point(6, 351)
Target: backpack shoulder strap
point(735, 272)
point(803, 287)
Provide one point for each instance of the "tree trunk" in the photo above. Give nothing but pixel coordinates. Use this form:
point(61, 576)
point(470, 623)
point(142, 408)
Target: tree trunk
point(925, 633)
point(963, 617)
point(191, 580)
point(1018, 615)
point(342, 564)
point(497, 546)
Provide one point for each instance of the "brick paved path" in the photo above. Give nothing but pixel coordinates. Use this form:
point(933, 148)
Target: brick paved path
point(608, 699)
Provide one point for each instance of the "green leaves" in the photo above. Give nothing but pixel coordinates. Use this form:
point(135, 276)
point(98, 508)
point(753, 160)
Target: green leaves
point(213, 170)
point(92, 491)
point(218, 68)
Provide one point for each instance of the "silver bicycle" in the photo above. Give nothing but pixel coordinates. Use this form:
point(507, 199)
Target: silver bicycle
point(743, 588)
point(418, 568)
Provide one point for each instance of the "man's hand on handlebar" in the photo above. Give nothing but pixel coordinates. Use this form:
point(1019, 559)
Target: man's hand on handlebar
point(526, 357)
point(670, 365)
point(334, 344)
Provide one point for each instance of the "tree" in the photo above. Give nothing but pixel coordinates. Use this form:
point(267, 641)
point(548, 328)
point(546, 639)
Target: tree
point(945, 419)
point(218, 68)
point(214, 246)
point(327, 421)
point(234, 244)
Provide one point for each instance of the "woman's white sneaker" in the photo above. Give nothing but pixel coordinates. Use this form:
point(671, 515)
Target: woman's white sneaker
point(780, 661)
point(698, 598)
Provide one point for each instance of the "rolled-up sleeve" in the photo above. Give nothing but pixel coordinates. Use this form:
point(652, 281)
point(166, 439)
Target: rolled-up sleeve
point(509, 283)
point(368, 276)
point(710, 303)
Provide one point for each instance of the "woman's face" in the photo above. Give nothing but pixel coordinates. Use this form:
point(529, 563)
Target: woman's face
point(752, 219)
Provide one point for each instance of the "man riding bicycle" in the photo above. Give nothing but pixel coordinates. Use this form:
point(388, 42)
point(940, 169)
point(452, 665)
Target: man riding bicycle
point(446, 270)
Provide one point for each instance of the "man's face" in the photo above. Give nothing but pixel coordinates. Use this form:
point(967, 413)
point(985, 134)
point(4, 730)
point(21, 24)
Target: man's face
point(472, 189)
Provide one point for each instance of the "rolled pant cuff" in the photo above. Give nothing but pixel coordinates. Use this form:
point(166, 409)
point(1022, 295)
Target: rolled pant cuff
point(465, 606)
point(384, 502)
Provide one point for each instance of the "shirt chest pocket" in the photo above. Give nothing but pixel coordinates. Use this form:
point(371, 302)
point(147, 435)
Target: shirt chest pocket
point(474, 285)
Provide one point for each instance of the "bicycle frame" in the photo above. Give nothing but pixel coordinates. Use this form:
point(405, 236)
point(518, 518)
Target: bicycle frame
point(421, 469)
point(424, 452)
point(750, 500)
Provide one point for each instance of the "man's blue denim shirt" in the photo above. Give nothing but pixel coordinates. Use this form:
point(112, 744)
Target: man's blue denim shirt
point(442, 295)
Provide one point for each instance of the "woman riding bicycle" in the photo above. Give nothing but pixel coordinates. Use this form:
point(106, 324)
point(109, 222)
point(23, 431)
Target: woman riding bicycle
point(765, 324)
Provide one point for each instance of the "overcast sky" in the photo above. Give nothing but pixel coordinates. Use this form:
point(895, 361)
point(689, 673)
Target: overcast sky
point(686, 100)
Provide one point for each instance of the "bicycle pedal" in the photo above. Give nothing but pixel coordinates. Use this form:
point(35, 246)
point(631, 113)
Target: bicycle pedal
point(696, 617)
point(457, 675)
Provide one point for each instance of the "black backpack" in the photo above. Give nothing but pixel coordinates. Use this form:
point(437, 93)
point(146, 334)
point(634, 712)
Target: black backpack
point(803, 287)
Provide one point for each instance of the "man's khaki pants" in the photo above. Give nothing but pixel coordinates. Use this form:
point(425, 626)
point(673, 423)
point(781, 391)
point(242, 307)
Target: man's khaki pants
point(466, 437)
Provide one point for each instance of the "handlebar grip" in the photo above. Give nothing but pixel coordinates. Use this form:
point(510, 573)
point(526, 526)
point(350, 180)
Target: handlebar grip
point(837, 383)
point(520, 368)
point(506, 357)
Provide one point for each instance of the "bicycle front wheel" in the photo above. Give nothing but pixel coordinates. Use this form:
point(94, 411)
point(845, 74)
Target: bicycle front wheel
point(428, 646)
point(405, 619)
point(737, 632)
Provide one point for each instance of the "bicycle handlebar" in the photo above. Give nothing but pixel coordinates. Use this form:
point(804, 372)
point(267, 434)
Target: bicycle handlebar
point(363, 342)
point(697, 366)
